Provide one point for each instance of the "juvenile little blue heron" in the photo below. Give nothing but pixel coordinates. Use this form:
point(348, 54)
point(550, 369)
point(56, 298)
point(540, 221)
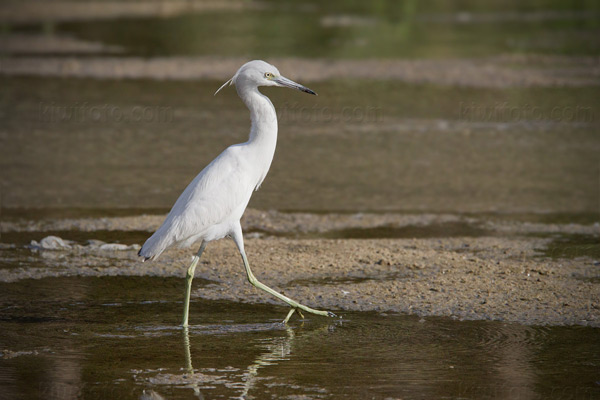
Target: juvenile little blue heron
point(212, 205)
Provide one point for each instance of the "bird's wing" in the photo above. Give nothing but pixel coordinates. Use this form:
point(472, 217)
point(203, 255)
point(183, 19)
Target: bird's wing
point(211, 198)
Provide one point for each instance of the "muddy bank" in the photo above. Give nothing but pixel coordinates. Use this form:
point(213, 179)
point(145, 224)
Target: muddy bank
point(18, 43)
point(467, 278)
point(338, 225)
point(60, 11)
point(496, 273)
point(493, 72)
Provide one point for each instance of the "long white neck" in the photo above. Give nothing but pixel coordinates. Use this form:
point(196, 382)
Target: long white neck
point(262, 115)
point(263, 133)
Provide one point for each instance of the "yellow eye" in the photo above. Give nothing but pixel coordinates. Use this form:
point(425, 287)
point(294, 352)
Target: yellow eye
point(269, 75)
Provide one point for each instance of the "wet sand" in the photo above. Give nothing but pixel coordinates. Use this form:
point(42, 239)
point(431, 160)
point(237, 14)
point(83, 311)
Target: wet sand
point(493, 72)
point(471, 268)
point(465, 278)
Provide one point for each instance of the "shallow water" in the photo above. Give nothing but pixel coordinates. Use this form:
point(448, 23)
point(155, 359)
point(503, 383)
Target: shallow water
point(416, 153)
point(362, 144)
point(116, 337)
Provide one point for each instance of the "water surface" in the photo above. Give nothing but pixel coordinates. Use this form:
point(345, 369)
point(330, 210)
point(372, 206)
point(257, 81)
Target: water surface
point(342, 29)
point(117, 337)
point(358, 146)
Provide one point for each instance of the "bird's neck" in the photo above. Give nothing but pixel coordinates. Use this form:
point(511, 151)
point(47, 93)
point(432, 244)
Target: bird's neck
point(264, 119)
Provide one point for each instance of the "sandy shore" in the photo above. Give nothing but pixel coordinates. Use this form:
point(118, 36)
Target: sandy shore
point(502, 272)
point(493, 72)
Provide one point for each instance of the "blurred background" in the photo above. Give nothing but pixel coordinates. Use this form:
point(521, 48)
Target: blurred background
point(423, 106)
point(467, 131)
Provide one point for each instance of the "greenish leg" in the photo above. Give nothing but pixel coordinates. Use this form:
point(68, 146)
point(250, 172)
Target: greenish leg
point(287, 318)
point(188, 351)
point(295, 305)
point(188, 281)
point(292, 310)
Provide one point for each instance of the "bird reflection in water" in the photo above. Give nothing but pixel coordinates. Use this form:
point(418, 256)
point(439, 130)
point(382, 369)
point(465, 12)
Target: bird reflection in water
point(277, 350)
point(274, 351)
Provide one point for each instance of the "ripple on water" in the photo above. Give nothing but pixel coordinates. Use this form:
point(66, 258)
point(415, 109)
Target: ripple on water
point(243, 350)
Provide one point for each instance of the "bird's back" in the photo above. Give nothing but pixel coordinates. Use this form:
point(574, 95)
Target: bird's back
point(215, 198)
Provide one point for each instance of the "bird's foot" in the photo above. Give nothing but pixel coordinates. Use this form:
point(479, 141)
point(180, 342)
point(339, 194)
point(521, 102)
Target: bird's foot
point(294, 309)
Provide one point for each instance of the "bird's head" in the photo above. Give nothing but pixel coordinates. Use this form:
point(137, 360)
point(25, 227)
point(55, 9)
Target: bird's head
point(259, 73)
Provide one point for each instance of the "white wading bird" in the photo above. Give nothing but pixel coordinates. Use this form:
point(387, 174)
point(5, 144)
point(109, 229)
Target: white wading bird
point(212, 205)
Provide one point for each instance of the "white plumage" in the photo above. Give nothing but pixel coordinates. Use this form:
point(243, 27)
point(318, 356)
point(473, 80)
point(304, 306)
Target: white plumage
point(212, 205)
point(208, 207)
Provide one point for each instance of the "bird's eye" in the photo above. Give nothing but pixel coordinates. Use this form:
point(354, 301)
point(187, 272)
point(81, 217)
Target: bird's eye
point(268, 75)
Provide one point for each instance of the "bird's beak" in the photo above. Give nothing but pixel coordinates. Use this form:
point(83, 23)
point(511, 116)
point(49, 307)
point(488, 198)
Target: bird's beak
point(291, 84)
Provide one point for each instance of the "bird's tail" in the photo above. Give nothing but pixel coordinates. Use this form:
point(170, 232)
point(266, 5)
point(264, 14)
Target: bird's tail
point(141, 255)
point(154, 246)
